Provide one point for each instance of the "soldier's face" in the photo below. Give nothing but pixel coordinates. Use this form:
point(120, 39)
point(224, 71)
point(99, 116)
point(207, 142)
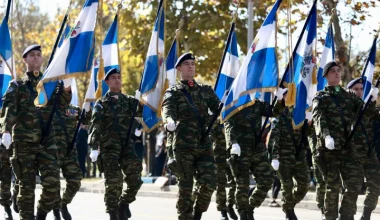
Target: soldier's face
point(358, 89)
point(34, 60)
point(334, 76)
point(114, 82)
point(187, 69)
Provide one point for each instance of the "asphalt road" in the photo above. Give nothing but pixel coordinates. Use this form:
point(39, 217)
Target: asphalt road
point(90, 206)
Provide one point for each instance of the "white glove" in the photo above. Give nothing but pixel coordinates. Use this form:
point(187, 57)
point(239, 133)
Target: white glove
point(67, 82)
point(138, 95)
point(329, 143)
point(374, 92)
point(170, 126)
point(235, 149)
point(280, 92)
point(94, 155)
point(309, 116)
point(275, 164)
point(138, 133)
point(86, 106)
point(6, 140)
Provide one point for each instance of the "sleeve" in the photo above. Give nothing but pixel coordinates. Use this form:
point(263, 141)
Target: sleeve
point(278, 108)
point(230, 132)
point(213, 101)
point(10, 107)
point(274, 139)
point(65, 98)
point(320, 123)
point(169, 108)
point(96, 126)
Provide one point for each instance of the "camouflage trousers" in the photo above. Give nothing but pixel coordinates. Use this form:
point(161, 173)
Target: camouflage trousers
point(295, 178)
point(321, 186)
point(199, 163)
point(371, 171)
point(224, 179)
point(72, 174)
point(6, 179)
point(27, 157)
point(257, 163)
point(113, 173)
point(341, 165)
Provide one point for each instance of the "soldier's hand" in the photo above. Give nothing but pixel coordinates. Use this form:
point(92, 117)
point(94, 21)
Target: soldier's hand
point(280, 92)
point(138, 95)
point(6, 140)
point(329, 143)
point(275, 164)
point(374, 93)
point(170, 125)
point(309, 116)
point(94, 155)
point(86, 106)
point(67, 82)
point(235, 149)
point(138, 133)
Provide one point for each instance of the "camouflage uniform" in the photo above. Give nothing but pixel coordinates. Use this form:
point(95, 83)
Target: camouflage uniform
point(253, 158)
point(340, 162)
point(5, 176)
point(109, 125)
point(65, 124)
point(321, 185)
point(288, 145)
point(193, 156)
point(224, 176)
point(21, 119)
point(365, 152)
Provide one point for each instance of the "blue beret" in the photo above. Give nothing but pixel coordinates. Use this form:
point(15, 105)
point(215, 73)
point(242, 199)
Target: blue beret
point(183, 57)
point(354, 82)
point(110, 72)
point(30, 48)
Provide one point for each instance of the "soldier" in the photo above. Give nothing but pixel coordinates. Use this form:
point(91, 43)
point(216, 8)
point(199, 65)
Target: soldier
point(185, 114)
point(365, 152)
point(65, 124)
point(32, 138)
point(333, 112)
point(242, 136)
point(109, 125)
point(321, 185)
point(224, 175)
point(289, 158)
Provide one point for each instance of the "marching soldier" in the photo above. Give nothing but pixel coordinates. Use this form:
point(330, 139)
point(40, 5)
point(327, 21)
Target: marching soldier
point(109, 125)
point(365, 152)
point(185, 114)
point(289, 158)
point(32, 141)
point(333, 112)
point(242, 136)
point(65, 124)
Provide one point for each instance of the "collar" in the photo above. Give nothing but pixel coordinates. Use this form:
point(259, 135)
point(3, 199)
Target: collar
point(33, 76)
point(335, 90)
point(188, 84)
point(114, 95)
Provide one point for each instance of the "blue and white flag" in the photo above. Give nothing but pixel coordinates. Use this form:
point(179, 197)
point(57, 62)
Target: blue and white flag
point(75, 55)
point(66, 35)
point(328, 55)
point(369, 70)
point(90, 96)
point(259, 71)
point(154, 77)
point(6, 55)
point(171, 60)
point(303, 67)
point(230, 66)
point(74, 93)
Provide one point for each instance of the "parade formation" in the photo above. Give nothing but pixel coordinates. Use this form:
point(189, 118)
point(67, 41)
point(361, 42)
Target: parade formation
point(252, 123)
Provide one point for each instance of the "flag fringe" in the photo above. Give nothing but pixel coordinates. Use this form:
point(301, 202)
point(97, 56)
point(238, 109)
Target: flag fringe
point(291, 97)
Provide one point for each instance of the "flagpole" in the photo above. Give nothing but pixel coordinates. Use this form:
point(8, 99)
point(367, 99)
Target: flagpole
point(11, 32)
point(63, 25)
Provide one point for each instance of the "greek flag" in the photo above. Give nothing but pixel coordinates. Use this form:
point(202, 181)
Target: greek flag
point(74, 57)
point(369, 70)
point(328, 55)
point(65, 35)
point(171, 59)
point(93, 85)
point(259, 71)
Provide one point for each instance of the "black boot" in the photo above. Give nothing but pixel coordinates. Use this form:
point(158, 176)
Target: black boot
point(57, 214)
point(65, 213)
point(366, 214)
point(124, 212)
point(41, 215)
point(323, 213)
point(289, 214)
point(223, 215)
point(294, 215)
point(250, 214)
point(8, 213)
point(197, 215)
point(14, 202)
point(345, 217)
point(113, 215)
point(243, 214)
point(231, 212)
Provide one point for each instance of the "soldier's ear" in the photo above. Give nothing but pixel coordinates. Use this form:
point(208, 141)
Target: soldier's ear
point(24, 59)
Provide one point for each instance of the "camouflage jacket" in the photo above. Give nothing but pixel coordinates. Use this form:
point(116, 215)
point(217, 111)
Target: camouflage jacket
point(239, 129)
point(176, 106)
point(19, 115)
point(219, 143)
point(105, 132)
point(327, 119)
point(281, 139)
point(312, 139)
